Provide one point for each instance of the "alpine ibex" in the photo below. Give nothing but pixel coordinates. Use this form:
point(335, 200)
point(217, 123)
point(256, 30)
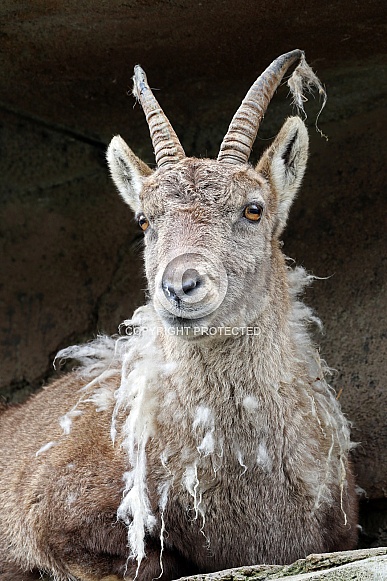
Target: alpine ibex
point(205, 437)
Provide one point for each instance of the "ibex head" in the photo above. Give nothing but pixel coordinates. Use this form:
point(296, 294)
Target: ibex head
point(211, 227)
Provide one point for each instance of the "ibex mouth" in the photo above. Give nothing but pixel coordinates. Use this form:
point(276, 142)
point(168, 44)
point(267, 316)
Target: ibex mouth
point(188, 329)
point(186, 318)
point(185, 326)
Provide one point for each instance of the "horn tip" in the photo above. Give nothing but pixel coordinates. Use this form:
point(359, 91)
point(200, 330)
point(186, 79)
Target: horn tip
point(138, 70)
point(139, 81)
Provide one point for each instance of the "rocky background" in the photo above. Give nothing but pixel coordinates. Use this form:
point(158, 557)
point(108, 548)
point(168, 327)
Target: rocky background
point(70, 253)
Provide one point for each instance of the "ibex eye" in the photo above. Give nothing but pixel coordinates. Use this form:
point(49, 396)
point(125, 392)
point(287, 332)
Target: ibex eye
point(253, 212)
point(143, 222)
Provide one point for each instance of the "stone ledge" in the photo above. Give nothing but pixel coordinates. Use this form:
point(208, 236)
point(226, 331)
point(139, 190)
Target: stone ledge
point(362, 565)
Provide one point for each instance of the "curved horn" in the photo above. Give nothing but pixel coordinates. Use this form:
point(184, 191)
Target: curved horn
point(239, 139)
point(166, 144)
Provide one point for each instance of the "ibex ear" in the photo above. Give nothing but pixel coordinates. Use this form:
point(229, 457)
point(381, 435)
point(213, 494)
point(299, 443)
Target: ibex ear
point(127, 171)
point(284, 163)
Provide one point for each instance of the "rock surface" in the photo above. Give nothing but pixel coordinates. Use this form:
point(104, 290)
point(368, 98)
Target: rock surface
point(370, 565)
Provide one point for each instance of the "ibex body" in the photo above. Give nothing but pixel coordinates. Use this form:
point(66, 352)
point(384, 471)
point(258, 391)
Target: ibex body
point(207, 437)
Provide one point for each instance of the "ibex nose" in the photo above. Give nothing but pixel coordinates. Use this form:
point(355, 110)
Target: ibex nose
point(175, 290)
point(191, 285)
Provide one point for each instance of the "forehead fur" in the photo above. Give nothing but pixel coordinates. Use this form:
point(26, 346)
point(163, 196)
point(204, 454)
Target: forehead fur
point(202, 181)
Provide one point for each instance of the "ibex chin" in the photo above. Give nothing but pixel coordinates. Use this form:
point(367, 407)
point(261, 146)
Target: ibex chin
point(205, 436)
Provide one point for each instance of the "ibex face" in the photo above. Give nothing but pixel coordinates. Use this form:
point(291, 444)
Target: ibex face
point(211, 227)
point(210, 231)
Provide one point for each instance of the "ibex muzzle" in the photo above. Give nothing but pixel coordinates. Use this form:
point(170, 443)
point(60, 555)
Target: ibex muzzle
point(189, 287)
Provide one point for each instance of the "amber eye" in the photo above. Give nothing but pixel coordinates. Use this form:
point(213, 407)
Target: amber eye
point(253, 212)
point(143, 222)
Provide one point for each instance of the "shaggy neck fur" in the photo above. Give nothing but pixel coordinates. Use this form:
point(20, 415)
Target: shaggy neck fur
point(227, 404)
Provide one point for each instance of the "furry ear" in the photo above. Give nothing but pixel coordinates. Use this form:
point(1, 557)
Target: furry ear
point(127, 171)
point(284, 163)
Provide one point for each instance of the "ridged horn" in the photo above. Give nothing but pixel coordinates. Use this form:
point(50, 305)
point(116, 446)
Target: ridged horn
point(166, 145)
point(239, 139)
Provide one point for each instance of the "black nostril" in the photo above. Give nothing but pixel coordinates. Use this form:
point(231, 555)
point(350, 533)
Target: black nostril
point(191, 280)
point(189, 285)
point(169, 291)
